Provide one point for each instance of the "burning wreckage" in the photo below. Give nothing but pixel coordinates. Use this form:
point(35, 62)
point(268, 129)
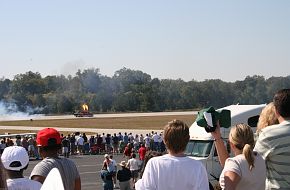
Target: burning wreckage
point(84, 113)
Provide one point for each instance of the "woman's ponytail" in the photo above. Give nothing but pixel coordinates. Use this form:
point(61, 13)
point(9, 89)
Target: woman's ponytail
point(248, 153)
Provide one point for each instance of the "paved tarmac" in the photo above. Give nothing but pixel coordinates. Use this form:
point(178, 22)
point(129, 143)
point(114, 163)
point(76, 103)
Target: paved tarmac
point(89, 167)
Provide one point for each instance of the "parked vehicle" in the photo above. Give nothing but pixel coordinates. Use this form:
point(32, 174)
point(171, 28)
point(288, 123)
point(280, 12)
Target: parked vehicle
point(201, 145)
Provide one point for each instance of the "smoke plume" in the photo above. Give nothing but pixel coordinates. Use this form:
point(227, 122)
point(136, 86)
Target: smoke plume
point(10, 111)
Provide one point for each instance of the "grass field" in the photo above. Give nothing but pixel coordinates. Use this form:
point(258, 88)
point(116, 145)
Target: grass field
point(150, 123)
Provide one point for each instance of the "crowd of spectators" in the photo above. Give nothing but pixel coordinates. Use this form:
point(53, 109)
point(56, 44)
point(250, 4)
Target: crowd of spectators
point(79, 144)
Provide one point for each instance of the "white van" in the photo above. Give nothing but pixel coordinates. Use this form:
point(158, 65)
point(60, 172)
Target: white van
point(201, 145)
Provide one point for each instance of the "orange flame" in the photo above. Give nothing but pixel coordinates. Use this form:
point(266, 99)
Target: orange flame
point(85, 107)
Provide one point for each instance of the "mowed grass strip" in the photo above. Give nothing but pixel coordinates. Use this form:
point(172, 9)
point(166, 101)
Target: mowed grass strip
point(144, 122)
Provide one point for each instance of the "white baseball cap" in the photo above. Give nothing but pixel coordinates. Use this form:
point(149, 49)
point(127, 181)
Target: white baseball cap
point(14, 158)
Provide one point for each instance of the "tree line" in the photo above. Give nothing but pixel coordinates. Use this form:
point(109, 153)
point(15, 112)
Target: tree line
point(131, 91)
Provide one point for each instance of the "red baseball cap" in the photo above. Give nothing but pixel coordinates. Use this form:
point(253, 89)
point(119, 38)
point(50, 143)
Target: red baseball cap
point(48, 137)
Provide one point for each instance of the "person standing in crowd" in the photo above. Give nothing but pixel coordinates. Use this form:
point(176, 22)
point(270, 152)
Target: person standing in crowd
point(68, 138)
point(141, 139)
point(85, 137)
point(110, 165)
point(36, 153)
point(155, 138)
point(142, 151)
point(247, 170)
point(120, 136)
point(100, 144)
point(136, 142)
point(107, 178)
point(108, 143)
point(2, 146)
point(80, 144)
point(49, 143)
point(147, 140)
point(104, 141)
point(124, 176)
point(267, 117)
point(25, 143)
point(9, 142)
point(174, 170)
point(134, 166)
point(72, 144)
point(115, 140)
point(274, 144)
point(15, 160)
point(31, 146)
point(126, 138)
point(65, 145)
point(127, 151)
point(18, 140)
point(92, 141)
point(115, 170)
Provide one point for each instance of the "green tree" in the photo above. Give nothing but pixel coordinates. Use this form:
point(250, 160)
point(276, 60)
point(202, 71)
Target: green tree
point(4, 88)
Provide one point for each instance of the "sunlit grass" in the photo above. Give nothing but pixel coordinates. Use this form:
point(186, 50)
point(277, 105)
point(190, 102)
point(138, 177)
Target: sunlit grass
point(148, 122)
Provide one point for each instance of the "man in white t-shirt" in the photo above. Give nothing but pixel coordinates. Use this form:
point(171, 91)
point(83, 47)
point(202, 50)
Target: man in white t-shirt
point(155, 138)
point(80, 144)
point(15, 160)
point(134, 166)
point(174, 170)
point(147, 140)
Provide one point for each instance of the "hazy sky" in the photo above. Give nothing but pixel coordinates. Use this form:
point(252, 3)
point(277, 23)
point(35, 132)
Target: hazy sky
point(199, 40)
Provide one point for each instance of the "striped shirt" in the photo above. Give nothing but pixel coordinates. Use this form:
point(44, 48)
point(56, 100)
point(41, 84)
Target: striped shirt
point(66, 167)
point(273, 145)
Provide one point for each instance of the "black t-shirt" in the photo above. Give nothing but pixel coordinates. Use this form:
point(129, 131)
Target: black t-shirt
point(85, 138)
point(65, 143)
point(124, 174)
point(100, 140)
point(108, 140)
point(115, 140)
point(72, 140)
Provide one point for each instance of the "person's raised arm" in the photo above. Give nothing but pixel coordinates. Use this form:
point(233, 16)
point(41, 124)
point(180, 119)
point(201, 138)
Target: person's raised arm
point(220, 146)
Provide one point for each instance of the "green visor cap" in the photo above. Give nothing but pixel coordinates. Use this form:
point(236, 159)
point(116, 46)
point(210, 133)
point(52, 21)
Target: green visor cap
point(223, 116)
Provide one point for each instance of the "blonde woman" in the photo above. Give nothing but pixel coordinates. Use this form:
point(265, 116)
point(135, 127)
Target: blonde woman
point(267, 117)
point(247, 169)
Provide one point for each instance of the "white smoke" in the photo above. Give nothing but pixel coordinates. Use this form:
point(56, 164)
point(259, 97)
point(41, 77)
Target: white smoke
point(10, 111)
